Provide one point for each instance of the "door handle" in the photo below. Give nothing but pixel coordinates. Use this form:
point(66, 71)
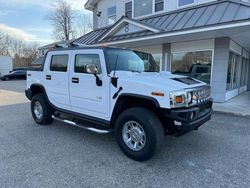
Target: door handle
point(48, 77)
point(75, 80)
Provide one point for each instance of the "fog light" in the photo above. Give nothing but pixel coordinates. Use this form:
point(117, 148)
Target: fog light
point(177, 123)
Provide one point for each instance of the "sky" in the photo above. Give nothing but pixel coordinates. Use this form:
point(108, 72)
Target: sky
point(26, 19)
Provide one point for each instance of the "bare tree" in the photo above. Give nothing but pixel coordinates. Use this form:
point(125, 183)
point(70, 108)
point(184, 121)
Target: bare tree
point(62, 19)
point(23, 53)
point(84, 25)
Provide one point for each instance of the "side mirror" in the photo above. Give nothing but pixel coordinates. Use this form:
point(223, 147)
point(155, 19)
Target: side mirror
point(91, 69)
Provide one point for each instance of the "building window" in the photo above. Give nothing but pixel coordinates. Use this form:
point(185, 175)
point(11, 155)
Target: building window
point(59, 63)
point(185, 2)
point(111, 15)
point(232, 73)
point(193, 64)
point(82, 60)
point(159, 5)
point(247, 68)
point(128, 9)
point(243, 71)
point(143, 7)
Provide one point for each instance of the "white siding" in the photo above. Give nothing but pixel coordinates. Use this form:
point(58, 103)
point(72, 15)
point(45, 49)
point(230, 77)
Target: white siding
point(235, 47)
point(192, 46)
point(103, 5)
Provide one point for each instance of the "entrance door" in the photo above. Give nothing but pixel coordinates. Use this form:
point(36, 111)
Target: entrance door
point(85, 95)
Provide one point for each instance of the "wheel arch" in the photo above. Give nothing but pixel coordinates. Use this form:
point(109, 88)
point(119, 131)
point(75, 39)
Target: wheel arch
point(36, 89)
point(127, 100)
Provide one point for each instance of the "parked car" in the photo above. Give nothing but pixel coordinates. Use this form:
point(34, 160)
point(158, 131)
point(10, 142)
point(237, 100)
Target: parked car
point(199, 71)
point(112, 89)
point(18, 74)
point(20, 68)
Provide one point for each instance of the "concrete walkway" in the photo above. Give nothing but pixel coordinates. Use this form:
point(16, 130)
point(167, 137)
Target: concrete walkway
point(239, 105)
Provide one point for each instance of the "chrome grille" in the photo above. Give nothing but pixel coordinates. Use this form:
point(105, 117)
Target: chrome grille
point(200, 95)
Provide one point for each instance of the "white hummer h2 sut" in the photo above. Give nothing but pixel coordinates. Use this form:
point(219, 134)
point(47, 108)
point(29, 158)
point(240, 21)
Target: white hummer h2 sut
point(106, 89)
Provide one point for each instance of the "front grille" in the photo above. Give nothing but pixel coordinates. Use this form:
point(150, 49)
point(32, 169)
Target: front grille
point(200, 95)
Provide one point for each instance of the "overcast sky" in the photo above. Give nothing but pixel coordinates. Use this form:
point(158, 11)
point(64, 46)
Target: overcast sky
point(26, 19)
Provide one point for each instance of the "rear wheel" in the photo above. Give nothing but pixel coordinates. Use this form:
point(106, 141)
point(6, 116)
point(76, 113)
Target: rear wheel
point(6, 78)
point(41, 110)
point(139, 133)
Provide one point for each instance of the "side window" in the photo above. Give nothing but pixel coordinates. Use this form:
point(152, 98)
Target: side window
point(185, 2)
point(82, 60)
point(128, 9)
point(59, 63)
point(159, 5)
point(111, 12)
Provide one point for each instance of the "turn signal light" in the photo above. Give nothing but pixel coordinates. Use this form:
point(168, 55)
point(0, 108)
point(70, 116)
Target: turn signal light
point(179, 99)
point(159, 94)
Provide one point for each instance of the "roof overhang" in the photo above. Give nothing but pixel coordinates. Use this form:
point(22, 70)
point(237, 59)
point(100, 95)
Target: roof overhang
point(123, 21)
point(229, 30)
point(90, 4)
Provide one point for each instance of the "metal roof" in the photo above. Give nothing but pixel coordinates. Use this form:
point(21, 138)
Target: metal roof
point(218, 12)
point(200, 16)
point(91, 37)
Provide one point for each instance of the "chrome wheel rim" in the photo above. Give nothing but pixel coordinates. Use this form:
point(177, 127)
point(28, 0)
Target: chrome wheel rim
point(134, 135)
point(38, 110)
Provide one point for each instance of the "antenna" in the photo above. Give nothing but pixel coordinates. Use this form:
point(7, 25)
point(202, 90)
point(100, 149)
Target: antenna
point(116, 61)
point(114, 79)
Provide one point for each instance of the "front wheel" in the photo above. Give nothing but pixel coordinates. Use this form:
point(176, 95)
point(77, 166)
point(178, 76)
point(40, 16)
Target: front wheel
point(139, 133)
point(41, 110)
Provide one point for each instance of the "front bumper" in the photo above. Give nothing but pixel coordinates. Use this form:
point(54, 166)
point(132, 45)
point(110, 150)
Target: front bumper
point(188, 119)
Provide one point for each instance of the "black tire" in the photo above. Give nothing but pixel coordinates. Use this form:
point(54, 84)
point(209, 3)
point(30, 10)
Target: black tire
point(47, 110)
point(6, 79)
point(152, 127)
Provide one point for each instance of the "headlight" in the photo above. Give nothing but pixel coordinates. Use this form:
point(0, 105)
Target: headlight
point(178, 99)
point(189, 97)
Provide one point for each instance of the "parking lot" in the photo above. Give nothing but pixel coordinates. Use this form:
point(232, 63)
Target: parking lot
point(62, 156)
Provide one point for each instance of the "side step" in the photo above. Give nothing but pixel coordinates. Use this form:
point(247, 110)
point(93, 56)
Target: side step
point(99, 131)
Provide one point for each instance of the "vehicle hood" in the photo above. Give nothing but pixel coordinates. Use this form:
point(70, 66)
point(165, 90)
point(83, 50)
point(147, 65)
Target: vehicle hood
point(161, 80)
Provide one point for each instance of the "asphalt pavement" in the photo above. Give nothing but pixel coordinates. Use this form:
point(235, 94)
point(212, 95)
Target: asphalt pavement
point(217, 155)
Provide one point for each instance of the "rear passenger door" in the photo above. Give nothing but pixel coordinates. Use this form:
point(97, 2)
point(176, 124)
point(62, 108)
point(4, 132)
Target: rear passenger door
point(57, 78)
point(86, 97)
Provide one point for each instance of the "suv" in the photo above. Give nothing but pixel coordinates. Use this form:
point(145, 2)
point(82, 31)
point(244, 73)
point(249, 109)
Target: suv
point(112, 89)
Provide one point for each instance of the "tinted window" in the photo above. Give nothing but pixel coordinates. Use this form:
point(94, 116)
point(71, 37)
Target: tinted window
point(185, 2)
point(111, 15)
point(59, 63)
point(84, 59)
point(128, 9)
point(142, 7)
point(159, 5)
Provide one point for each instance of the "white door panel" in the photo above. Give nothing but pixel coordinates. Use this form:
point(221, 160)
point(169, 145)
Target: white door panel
point(86, 97)
point(57, 82)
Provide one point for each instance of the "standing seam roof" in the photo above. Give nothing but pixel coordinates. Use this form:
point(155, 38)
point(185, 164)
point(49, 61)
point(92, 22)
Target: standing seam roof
point(205, 15)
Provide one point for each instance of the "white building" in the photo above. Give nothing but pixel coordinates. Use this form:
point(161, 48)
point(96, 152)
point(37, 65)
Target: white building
point(181, 34)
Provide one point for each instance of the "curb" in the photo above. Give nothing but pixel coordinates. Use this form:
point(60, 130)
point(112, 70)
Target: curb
point(232, 113)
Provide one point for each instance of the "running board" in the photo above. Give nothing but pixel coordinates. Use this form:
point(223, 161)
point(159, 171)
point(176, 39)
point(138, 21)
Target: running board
point(99, 131)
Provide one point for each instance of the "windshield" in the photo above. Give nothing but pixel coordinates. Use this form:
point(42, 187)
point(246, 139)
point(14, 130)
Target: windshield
point(128, 60)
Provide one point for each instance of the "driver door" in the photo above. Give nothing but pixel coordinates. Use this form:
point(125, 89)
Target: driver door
point(85, 95)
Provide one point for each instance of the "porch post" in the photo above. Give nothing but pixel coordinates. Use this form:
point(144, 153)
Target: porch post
point(220, 67)
point(248, 82)
point(166, 56)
